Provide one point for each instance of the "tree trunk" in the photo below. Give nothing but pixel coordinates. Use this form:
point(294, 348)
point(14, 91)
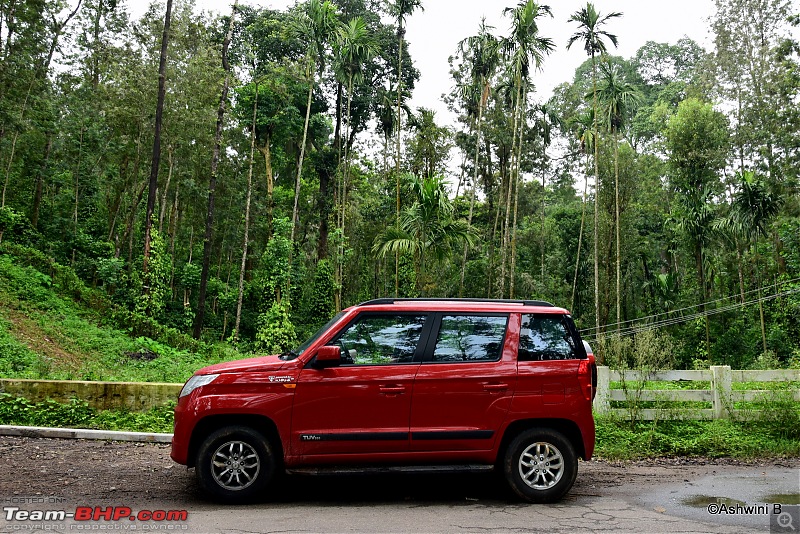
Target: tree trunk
point(300, 160)
point(163, 210)
point(156, 160)
point(400, 33)
point(596, 200)
point(580, 237)
point(266, 151)
point(343, 196)
point(511, 178)
point(245, 239)
point(512, 271)
point(37, 195)
point(212, 183)
point(617, 222)
point(484, 96)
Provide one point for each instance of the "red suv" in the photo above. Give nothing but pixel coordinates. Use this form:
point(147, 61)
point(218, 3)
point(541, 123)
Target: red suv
point(407, 383)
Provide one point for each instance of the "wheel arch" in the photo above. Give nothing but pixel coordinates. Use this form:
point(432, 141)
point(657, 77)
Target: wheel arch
point(259, 423)
point(568, 428)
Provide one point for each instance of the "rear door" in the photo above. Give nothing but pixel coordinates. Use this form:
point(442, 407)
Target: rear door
point(362, 406)
point(465, 383)
point(549, 359)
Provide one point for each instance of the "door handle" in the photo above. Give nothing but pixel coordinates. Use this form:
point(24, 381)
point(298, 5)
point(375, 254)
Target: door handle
point(393, 390)
point(495, 388)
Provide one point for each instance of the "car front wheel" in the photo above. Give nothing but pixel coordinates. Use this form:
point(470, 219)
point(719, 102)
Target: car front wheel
point(540, 465)
point(235, 463)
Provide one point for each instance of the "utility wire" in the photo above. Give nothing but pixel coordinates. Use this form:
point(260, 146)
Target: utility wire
point(634, 329)
point(591, 330)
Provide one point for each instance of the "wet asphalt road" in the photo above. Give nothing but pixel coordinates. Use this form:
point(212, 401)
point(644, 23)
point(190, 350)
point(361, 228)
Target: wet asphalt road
point(662, 496)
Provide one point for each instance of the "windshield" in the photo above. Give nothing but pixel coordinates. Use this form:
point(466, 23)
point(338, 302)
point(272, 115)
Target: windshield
point(299, 350)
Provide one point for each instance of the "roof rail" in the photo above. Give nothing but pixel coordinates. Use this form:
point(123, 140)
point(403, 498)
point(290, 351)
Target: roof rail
point(376, 302)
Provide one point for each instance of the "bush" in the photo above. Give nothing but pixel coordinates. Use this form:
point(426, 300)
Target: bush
point(77, 414)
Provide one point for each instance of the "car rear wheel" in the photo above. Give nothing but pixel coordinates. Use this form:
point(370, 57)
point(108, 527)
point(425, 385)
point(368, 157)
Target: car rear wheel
point(540, 465)
point(235, 463)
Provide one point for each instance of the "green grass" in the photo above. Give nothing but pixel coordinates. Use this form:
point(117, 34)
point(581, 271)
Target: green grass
point(46, 334)
point(77, 414)
point(621, 440)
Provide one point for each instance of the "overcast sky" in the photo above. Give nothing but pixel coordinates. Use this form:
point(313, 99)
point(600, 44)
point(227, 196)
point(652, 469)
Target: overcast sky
point(433, 34)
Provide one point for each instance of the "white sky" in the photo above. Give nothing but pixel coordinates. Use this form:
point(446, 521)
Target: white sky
point(433, 34)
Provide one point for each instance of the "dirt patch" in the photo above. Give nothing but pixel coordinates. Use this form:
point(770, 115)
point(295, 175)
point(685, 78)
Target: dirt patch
point(28, 332)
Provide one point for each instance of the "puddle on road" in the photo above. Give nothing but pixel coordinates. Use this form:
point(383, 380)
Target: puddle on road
point(783, 498)
point(702, 501)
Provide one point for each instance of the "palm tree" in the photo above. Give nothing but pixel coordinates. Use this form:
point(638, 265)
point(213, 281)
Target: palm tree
point(483, 53)
point(697, 222)
point(400, 9)
point(584, 126)
point(315, 25)
point(754, 205)
point(618, 97)
point(427, 228)
point(522, 48)
point(545, 119)
point(589, 22)
point(355, 46)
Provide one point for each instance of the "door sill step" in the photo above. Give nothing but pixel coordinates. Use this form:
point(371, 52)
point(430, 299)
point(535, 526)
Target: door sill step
point(390, 469)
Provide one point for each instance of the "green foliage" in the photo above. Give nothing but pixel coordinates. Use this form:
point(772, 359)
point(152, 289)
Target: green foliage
point(276, 333)
point(323, 290)
point(155, 282)
point(77, 414)
point(712, 439)
point(16, 359)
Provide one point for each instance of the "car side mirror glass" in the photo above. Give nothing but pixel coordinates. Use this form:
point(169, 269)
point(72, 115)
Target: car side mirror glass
point(328, 356)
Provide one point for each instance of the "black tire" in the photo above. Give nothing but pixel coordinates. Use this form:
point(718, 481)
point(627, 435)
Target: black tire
point(540, 465)
point(235, 464)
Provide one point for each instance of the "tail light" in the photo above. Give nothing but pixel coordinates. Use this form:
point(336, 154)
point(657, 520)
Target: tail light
point(587, 376)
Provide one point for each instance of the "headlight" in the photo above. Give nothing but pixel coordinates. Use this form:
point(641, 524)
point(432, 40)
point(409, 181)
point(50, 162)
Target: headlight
point(195, 382)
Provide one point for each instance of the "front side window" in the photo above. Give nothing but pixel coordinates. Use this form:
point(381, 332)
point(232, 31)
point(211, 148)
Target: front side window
point(545, 338)
point(470, 338)
point(380, 339)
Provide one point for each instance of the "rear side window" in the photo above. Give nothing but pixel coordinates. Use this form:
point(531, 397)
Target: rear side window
point(470, 338)
point(545, 337)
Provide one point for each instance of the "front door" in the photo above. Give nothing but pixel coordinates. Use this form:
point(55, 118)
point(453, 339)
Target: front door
point(362, 406)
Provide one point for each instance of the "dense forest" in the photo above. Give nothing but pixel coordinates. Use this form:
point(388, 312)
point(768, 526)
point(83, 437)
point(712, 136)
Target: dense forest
point(240, 177)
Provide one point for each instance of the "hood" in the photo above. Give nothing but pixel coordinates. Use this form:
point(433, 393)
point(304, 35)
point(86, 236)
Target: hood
point(262, 363)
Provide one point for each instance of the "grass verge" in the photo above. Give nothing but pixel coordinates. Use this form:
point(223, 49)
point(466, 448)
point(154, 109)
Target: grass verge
point(622, 440)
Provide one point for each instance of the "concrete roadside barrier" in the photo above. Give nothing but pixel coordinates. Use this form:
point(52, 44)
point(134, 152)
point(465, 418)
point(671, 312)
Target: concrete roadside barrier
point(80, 433)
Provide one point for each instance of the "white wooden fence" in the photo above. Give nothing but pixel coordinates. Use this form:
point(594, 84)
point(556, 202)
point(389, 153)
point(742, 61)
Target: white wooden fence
point(721, 395)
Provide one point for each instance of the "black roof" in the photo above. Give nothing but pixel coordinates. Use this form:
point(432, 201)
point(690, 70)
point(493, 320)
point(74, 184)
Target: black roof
point(376, 302)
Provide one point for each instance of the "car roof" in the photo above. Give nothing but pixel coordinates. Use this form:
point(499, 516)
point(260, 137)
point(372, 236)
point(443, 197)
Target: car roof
point(452, 304)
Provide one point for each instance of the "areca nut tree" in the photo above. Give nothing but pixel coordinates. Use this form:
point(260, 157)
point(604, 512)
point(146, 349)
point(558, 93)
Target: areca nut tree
point(593, 37)
point(523, 47)
point(400, 9)
point(619, 97)
point(584, 128)
point(315, 25)
point(354, 47)
point(754, 204)
point(483, 53)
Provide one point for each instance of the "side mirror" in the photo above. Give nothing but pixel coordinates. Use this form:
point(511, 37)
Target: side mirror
point(328, 356)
